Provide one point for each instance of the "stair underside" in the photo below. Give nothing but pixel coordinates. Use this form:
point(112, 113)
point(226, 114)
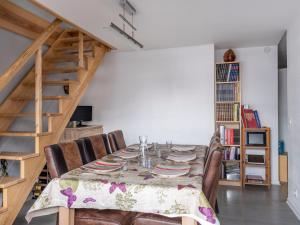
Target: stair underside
point(9, 181)
point(17, 155)
point(58, 97)
point(14, 115)
point(23, 134)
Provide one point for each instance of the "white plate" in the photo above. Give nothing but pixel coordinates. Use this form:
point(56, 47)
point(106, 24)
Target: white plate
point(171, 171)
point(126, 154)
point(136, 147)
point(176, 157)
point(183, 148)
point(100, 166)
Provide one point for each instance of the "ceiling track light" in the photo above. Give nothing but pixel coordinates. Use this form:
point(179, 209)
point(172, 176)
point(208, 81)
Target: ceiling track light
point(118, 29)
point(126, 21)
point(128, 7)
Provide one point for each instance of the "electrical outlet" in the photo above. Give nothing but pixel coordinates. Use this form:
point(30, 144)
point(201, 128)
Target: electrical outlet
point(290, 123)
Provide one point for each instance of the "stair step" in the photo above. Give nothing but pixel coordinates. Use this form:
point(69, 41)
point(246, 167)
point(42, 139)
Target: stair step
point(74, 39)
point(9, 181)
point(62, 58)
point(61, 70)
point(60, 82)
point(14, 115)
point(57, 97)
point(17, 155)
point(70, 48)
point(3, 210)
point(22, 134)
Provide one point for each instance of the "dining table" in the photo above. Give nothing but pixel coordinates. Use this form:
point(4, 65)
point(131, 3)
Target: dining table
point(134, 187)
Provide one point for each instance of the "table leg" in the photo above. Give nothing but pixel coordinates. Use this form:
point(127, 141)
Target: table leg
point(66, 216)
point(188, 221)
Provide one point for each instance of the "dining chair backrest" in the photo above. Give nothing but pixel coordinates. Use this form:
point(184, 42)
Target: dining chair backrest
point(116, 140)
point(63, 157)
point(95, 146)
point(211, 175)
point(215, 141)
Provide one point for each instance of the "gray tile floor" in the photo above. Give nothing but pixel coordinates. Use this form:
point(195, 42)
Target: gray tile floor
point(254, 205)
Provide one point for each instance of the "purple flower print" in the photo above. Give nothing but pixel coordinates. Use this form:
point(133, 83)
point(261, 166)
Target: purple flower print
point(208, 212)
point(114, 186)
point(71, 197)
point(180, 186)
point(87, 200)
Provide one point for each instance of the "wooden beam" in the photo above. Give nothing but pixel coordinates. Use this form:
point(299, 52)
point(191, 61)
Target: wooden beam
point(20, 21)
point(27, 54)
point(38, 92)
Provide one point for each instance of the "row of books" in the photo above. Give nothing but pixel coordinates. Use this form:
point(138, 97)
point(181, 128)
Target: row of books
point(227, 112)
point(250, 118)
point(229, 136)
point(232, 153)
point(227, 72)
point(228, 92)
point(230, 171)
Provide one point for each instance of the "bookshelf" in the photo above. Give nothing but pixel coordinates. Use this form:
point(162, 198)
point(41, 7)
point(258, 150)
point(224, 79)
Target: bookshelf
point(259, 150)
point(228, 120)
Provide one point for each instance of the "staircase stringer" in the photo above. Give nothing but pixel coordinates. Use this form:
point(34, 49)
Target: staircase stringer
point(22, 89)
point(17, 194)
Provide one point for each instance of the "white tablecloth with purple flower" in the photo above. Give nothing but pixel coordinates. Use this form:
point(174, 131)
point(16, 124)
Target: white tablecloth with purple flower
point(134, 188)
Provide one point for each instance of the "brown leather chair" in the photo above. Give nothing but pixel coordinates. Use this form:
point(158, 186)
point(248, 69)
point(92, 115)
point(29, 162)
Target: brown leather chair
point(68, 156)
point(116, 140)
point(209, 187)
point(94, 147)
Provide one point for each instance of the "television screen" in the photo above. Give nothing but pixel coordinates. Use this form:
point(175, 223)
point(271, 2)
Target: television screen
point(82, 113)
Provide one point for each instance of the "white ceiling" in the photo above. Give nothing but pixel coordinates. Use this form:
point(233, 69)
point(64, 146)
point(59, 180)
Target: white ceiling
point(175, 23)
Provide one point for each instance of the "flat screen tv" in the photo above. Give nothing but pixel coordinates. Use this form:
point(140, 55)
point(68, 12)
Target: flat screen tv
point(82, 114)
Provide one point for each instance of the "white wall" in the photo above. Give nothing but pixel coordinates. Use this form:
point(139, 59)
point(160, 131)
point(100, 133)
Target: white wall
point(293, 140)
point(165, 94)
point(259, 75)
point(282, 105)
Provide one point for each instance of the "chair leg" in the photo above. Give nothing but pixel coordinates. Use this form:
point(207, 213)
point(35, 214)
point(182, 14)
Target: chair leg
point(217, 207)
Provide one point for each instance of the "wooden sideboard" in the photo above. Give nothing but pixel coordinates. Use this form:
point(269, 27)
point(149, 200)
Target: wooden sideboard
point(71, 134)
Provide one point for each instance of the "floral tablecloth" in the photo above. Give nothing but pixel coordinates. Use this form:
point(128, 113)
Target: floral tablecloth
point(133, 188)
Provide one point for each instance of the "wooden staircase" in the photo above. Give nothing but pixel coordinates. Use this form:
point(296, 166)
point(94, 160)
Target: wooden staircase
point(74, 53)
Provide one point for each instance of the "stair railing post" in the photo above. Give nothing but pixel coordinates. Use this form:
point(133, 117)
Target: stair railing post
point(80, 50)
point(38, 92)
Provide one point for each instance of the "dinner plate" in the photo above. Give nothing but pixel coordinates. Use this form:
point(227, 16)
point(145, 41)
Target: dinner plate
point(183, 148)
point(101, 166)
point(179, 157)
point(171, 171)
point(126, 154)
point(136, 147)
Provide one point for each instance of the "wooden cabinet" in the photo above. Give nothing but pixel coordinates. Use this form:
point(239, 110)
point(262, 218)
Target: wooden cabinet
point(71, 134)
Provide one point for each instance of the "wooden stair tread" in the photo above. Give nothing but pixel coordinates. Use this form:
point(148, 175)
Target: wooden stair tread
point(3, 210)
point(56, 97)
point(13, 115)
point(61, 70)
point(17, 155)
point(9, 181)
point(60, 82)
point(74, 39)
point(22, 134)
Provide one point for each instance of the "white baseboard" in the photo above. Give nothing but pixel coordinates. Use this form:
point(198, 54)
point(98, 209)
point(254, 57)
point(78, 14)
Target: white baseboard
point(295, 210)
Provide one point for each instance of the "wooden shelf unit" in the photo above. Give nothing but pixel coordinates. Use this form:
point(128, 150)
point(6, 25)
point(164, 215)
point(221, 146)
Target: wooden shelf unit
point(227, 95)
point(267, 154)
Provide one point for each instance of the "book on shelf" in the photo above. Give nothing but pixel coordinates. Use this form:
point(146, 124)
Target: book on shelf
point(254, 179)
point(229, 136)
point(250, 118)
point(227, 92)
point(227, 72)
point(231, 153)
point(228, 112)
point(230, 171)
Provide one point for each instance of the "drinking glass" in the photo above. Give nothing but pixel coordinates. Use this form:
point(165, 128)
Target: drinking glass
point(143, 140)
point(169, 144)
point(156, 149)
